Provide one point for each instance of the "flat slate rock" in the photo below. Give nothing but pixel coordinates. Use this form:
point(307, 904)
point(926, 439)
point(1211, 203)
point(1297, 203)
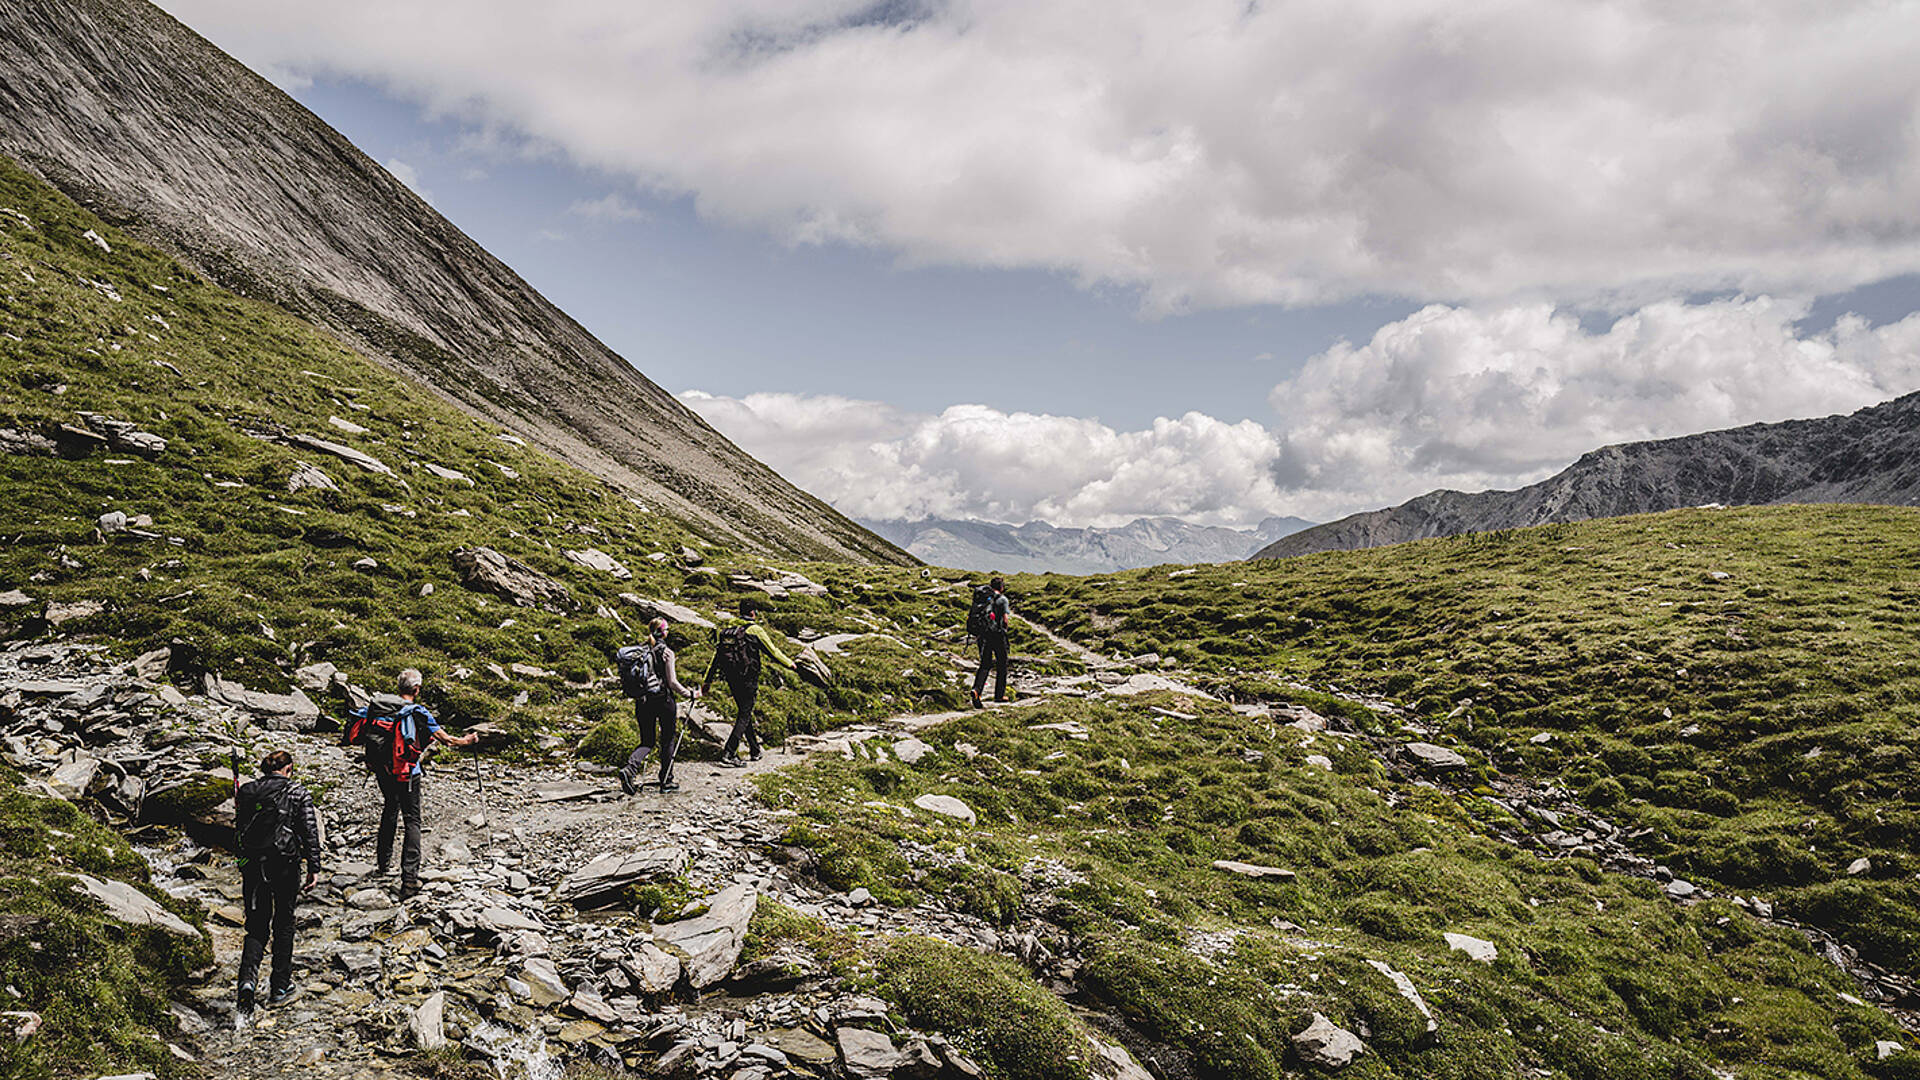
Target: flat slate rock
point(1435, 757)
point(566, 792)
point(1253, 870)
point(130, 905)
point(869, 1055)
point(709, 945)
point(946, 805)
point(607, 874)
point(1475, 948)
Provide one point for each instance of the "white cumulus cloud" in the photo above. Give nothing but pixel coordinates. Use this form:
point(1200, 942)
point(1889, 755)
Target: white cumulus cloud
point(971, 461)
point(1469, 399)
point(1208, 153)
point(408, 175)
point(612, 206)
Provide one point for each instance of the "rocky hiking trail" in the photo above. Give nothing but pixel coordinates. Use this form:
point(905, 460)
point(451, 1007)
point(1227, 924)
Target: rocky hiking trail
point(520, 951)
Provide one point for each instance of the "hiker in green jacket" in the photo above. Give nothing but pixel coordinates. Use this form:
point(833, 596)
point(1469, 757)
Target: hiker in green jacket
point(736, 657)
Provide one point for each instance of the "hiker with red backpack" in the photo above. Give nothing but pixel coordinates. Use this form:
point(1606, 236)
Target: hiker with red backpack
point(736, 658)
point(987, 620)
point(396, 730)
point(277, 828)
point(647, 676)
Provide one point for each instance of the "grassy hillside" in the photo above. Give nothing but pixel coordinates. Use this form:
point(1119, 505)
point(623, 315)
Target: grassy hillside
point(251, 580)
point(1111, 841)
point(1737, 687)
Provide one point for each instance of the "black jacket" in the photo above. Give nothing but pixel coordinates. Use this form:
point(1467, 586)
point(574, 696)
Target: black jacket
point(306, 821)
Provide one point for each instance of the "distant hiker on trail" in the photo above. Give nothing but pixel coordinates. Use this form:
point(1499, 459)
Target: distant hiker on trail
point(277, 828)
point(647, 676)
point(736, 656)
point(396, 730)
point(987, 620)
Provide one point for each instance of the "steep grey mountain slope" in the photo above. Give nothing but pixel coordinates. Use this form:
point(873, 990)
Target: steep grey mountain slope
point(151, 126)
point(1038, 547)
point(1871, 456)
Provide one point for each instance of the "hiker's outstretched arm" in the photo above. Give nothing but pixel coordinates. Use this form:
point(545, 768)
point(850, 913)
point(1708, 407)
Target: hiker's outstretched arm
point(759, 633)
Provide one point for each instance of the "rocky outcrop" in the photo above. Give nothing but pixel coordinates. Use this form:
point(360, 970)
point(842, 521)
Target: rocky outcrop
point(486, 570)
point(1038, 547)
point(157, 130)
point(1871, 456)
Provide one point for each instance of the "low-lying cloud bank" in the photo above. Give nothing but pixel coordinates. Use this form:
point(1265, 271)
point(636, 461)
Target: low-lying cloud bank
point(1447, 397)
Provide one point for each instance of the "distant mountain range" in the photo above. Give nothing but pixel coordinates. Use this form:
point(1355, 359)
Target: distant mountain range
point(1038, 547)
point(1871, 456)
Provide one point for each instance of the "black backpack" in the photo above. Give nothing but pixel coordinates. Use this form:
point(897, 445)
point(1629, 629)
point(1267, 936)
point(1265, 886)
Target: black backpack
point(270, 830)
point(980, 614)
point(642, 674)
point(737, 655)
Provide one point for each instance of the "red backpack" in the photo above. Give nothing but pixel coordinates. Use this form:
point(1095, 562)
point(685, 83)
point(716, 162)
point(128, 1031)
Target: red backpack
point(393, 732)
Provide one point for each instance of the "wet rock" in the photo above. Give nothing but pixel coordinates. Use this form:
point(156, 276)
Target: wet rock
point(1327, 1045)
point(1435, 757)
point(1476, 949)
point(867, 1055)
point(1253, 870)
point(486, 570)
point(946, 805)
point(130, 905)
point(709, 945)
point(601, 879)
point(426, 1025)
point(543, 981)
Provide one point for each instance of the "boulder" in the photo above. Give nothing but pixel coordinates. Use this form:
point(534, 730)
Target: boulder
point(605, 875)
point(652, 969)
point(306, 476)
point(1407, 990)
point(14, 598)
point(867, 1055)
point(1328, 1045)
point(486, 570)
point(153, 666)
point(1253, 870)
point(595, 559)
point(810, 667)
point(295, 711)
point(345, 453)
point(1476, 949)
point(426, 1024)
point(112, 521)
point(73, 779)
point(946, 805)
point(130, 905)
point(592, 1006)
point(1111, 1061)
point(709, 945)
point(1861, 865)
point(543, 980)
point(666, 609)
point(1435, 757)
point(910, 750)
point(316, 678)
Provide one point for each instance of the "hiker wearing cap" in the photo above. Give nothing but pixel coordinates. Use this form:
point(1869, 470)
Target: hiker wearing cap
point(736, 658)
point(277, 828)
point(647, 676)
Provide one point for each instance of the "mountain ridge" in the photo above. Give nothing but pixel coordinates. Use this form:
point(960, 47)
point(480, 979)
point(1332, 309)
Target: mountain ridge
point(108, 101)
point(1871, 455)
point(1040, 547)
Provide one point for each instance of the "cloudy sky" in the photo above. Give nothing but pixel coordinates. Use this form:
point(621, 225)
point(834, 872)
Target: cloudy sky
point(1087, 261)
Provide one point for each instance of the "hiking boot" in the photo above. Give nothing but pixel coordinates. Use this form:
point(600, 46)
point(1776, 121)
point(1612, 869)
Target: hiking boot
point(732, 762)
point(283, 995)
point(974, 697)
point(626, 781)
point(243, 1000)
point(668, 784)
point(408, 892)
point(755, 756)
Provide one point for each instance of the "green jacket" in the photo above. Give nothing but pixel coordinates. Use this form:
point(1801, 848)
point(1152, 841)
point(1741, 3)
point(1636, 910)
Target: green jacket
point(767, 648)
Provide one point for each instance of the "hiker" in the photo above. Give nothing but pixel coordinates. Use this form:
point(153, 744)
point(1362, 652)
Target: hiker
point(736, 657)
point(277, 829)
point(987, 620)
point(396, 730)
point(648, 677)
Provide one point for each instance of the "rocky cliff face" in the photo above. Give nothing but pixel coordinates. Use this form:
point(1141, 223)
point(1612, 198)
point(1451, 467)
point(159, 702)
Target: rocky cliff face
point(1871, 456)
point(154, 128)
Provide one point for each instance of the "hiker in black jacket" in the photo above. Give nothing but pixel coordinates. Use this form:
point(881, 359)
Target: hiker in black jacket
point(275, 821)
point(736, 659)
point(993, 643)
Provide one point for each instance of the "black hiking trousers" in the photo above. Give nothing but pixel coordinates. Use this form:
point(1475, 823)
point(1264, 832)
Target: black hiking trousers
point(269, 886)
point(744, 692)
point(400, 801)
point(993, 653)
point(658, 719)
